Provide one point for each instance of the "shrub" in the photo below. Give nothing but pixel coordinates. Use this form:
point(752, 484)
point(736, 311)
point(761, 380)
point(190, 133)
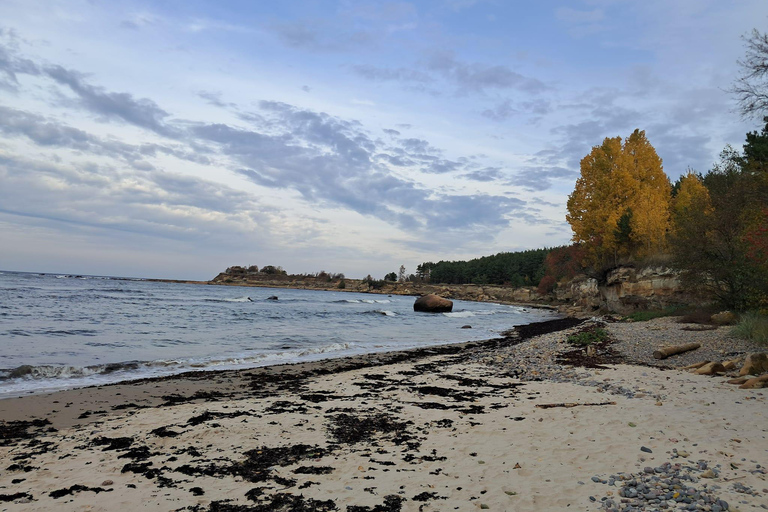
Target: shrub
point(588, 337)
point(341, 285)
point(752, 326)
point(546, 285)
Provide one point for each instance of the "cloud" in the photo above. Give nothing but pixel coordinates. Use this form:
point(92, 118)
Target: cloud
point(484, 175)
point(541, 178)
point(142, 112)
point(500, 112)
point(404, 75)
point(156, 204)
point(11, 65)
point(581, 23)
point(463, 77)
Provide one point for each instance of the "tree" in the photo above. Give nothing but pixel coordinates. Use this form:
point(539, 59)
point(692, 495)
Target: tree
point(401, 274)
point(717, 236)
point(620, 204)
point(390, 277)
point(751, 87)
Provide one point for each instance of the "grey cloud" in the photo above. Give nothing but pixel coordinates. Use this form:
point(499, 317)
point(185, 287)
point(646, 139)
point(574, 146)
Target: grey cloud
point(214, 98)
point(541, 178)
point(45, 132)
point(11, 65)
point(301, 35)
point(142, 112)
point(479, 77)
point(391, 133)
point(484, 175)
point(500, 112)
point(157, 204)
point(397, 75)
point(330, 160)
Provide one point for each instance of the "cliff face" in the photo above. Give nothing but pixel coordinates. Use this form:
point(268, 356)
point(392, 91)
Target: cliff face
point(626, 290)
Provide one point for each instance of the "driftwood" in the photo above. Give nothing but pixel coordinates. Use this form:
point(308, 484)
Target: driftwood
point(695, 366)
point(572, 404)
point(665, 352)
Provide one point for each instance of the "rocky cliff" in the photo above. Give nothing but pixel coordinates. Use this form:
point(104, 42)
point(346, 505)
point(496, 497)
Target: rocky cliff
point(625, 290)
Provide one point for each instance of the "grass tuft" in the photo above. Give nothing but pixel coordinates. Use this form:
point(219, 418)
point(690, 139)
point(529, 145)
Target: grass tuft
point(752, 326)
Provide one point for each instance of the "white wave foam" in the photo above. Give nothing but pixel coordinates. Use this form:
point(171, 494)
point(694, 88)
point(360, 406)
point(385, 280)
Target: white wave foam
point(460, 314)
point(238, 299)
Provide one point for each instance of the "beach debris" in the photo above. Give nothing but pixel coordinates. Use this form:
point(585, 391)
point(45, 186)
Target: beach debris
point(710, 369)
point(666, 352)
point(695, 366)
point(755, 364)
point(756, 383)
point(573, 404)
point(432, 303)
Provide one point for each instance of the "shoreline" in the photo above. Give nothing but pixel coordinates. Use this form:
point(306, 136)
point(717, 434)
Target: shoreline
point(516, 423)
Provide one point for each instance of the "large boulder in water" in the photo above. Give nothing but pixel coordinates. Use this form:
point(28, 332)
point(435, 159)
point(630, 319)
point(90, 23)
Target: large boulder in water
point(432, 303)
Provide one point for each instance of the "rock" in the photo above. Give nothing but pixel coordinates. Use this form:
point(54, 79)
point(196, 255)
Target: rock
point(756, 383)
point(724, 318)
point(755, 364)
point(740, 380)
point(272, 297)
point(730, 365)
point(710, 369)
point(708, 474)
point(591, 351)
point(466, 326)
point(432, 303)
point(107, 483)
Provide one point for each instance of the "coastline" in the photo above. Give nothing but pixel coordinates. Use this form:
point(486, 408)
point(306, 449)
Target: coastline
point(477, 425)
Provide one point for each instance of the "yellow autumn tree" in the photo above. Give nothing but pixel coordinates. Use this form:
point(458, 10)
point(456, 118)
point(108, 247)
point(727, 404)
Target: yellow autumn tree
point(692, 199)
point(620, 206)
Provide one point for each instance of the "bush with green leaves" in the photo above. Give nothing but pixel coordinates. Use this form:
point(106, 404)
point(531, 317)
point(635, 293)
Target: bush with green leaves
point(588, 337)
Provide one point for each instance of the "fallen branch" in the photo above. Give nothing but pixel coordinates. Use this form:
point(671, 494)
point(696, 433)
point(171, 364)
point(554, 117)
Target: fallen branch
point(572, 404)
point(665, 352)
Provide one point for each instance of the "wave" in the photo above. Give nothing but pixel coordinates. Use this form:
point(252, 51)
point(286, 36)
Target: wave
point(236, 299)
point(379, 312)
point(362, 301)
point(460, 314)
point(130, 370)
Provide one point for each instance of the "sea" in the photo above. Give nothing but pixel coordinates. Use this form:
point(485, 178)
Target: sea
point(62, 331)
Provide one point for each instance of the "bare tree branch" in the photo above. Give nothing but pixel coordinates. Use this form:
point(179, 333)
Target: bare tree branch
point(751, 87)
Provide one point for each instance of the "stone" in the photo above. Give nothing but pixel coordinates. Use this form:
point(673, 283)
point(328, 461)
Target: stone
point(272, 297)
point(107, 483)
point(740, 380)
point(756, 383)
point(710, 369)
point(432, 303)
point(724, 318)
point(755, 364)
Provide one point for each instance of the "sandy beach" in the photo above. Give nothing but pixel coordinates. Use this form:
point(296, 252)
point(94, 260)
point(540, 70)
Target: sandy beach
point(514, 424)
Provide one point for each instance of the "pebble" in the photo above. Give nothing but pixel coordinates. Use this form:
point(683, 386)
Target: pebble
point(665, 487)
point(645, 449)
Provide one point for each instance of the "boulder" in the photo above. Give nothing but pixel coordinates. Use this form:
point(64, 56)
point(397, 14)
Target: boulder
point(756, 383)
point(432, 303)
point(724, 318)
point(755, 364)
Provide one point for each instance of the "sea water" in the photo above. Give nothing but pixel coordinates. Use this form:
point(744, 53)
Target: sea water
point(64, 331)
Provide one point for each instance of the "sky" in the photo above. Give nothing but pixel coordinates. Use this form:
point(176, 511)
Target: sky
point(175, 138)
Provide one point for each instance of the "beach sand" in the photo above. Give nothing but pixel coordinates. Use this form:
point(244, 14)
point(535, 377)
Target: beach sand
point(463, 427)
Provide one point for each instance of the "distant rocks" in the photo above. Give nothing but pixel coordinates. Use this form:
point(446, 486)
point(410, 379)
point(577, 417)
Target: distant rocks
point(432, 303)
point(272, 297)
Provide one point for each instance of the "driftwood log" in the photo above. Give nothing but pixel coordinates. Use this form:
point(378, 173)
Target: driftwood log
point(665, 352)
point(572, 404)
